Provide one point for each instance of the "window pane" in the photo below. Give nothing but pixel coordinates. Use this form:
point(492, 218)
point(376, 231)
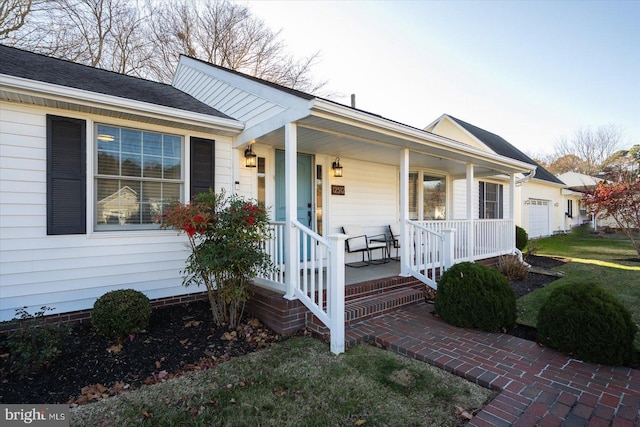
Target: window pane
point(172, 168)
point(434, 197)
point(108, 138)
point(108, 207)
point(108, 163)
point(131, 141)
point(131, 165)
point(152, 167)
point(151, 192)
point(171, 146)
point(152, 144)
point(129, 197)
point(170, 193)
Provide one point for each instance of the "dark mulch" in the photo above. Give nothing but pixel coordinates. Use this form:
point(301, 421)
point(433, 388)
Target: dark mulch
point(179, 339)
point(533, 282)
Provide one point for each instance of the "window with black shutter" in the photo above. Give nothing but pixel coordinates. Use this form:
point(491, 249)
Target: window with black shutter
point(66, 176)
point(202, 165)
point(490, 200)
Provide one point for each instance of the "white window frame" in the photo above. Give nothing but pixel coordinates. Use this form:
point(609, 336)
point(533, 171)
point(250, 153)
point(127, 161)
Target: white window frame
point(96, 176)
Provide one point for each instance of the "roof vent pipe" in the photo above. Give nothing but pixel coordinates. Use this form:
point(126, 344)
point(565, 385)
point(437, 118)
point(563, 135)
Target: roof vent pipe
point(353, 100)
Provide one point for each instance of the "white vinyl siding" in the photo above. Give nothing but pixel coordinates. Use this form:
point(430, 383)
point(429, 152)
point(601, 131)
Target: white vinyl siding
point(69, 272)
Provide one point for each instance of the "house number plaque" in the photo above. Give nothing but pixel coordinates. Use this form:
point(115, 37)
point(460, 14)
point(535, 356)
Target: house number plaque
point(337, 190)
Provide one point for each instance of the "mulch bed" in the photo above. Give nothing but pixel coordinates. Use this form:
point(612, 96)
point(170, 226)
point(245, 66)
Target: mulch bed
point(179, 340)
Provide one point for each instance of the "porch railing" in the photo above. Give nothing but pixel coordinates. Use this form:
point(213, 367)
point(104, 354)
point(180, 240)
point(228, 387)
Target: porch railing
point(319, 274)
point(430, 252)
point(491, 237)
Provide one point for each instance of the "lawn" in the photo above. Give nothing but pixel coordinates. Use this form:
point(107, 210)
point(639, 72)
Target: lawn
point(297, 382)
point(606, 260)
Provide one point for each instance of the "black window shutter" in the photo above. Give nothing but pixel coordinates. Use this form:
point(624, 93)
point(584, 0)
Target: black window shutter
point(500, 201)
point(202, 165)
point(66, 175)
point(481, 199)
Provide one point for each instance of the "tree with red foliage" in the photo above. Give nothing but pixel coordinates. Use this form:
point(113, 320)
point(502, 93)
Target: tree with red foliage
point(620, 201)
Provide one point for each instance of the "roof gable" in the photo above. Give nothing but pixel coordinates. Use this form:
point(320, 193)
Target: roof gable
point(32, 66)
point(501, 146)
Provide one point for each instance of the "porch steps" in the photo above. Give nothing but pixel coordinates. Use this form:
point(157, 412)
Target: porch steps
point(371, 299)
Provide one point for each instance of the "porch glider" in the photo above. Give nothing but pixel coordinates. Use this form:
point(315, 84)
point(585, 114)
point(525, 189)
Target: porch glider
point(358, 241)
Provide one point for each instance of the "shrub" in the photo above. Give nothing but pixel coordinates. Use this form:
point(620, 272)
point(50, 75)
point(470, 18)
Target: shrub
point(121, 312)
point(586, 322)
point(522, 238)
point(36, 344)
point(226, 236)
point(512, 268)
point(475, 296)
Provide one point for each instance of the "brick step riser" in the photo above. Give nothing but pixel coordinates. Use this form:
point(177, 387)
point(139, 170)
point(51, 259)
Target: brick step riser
point(368, 307)
point(374, 288)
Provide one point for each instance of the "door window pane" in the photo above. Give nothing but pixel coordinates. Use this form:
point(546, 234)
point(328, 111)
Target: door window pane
point(434, 197)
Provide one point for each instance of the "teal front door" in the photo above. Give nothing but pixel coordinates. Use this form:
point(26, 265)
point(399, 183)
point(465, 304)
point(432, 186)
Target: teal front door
point(305, 214)
point(305, 189)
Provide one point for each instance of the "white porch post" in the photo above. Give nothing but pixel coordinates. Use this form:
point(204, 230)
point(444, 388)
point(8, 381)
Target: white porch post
point(449, 254)
point(336, 292)
point(404, 212)
point(512, 200)
point(471, 231)
point(291, 206)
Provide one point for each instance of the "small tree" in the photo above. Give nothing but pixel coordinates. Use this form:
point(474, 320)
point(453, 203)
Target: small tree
point(225, 234)
point(620, 201)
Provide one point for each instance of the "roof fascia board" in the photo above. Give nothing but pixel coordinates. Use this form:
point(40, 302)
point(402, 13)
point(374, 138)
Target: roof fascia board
point(336, 112)
point(108, 102)
point(280, 97)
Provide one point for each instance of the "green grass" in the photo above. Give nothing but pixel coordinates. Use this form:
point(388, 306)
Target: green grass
point(297, 382)
point(603, 260)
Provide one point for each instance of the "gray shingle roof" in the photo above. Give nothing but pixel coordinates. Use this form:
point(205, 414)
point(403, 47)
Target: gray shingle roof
point(21, 63)
point(500, 146)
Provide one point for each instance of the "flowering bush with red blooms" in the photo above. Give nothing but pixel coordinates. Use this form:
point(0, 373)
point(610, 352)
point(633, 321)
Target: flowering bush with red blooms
point(620, 201)
point(226, 235)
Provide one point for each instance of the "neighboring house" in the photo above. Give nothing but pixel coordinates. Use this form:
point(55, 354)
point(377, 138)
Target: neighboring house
point(541, 206)
point(578, 185)
point(88, 158)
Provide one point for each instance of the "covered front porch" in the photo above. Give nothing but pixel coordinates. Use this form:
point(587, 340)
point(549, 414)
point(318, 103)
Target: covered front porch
point(379, 159)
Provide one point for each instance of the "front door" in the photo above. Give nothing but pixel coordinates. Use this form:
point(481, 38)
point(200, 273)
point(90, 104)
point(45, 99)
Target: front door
point(305, 189)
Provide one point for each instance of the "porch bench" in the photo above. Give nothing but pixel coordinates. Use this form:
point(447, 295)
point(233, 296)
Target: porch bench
point(358, 241)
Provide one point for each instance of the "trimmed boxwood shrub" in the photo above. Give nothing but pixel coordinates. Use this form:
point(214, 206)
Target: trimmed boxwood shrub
point(121, 312)
point(522, 238)
point(588, 323)
point(475, 296)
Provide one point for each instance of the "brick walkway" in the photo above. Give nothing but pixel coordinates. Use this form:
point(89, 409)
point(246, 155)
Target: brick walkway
point(538, 386)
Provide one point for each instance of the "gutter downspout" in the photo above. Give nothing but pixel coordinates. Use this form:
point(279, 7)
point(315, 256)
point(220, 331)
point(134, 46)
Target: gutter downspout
point(521, 181)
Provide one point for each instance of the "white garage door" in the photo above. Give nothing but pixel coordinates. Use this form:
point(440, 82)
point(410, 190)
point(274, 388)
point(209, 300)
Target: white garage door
point(538, 218)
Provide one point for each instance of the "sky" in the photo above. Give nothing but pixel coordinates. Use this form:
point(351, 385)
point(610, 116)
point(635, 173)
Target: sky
point(529, 71)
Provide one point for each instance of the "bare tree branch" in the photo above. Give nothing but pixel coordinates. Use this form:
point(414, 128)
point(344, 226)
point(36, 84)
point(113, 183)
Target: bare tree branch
point(592, 147)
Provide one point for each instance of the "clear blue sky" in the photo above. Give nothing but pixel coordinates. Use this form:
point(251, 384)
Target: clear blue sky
point(530, 71)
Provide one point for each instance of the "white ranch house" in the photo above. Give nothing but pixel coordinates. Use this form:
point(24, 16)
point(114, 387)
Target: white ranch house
point(88, 158)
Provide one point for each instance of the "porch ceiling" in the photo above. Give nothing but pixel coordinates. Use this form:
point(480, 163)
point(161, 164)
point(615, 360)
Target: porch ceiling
point(322, 135)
